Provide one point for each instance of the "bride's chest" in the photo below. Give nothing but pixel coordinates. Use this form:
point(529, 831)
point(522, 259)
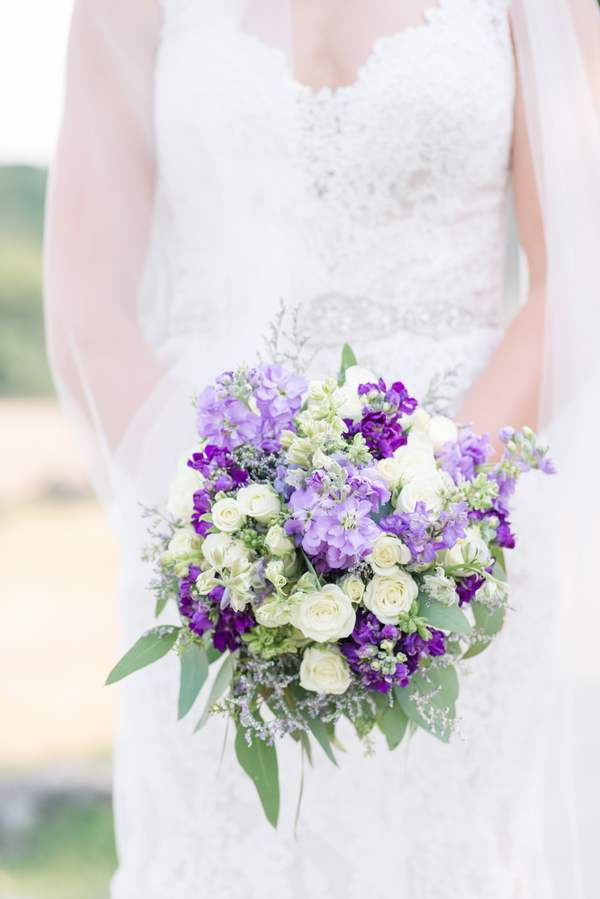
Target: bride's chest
point(432, 104)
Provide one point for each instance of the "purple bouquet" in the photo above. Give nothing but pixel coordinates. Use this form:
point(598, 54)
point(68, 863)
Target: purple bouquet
point(339, 550)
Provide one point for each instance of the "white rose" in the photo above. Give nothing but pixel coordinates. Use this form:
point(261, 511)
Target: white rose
point(324, 671)
point(423, 490)
point(440, 430)
point(471, 548)
point(278, 541)
point(389, 470)
point(353, 405)
point(415, 462)
point(418, 421)
point(220, 550)
point(259, 501)
point(326, 615)
point(419, 437)
point(228, 515)
point(353, 587)
point(387, 596)
point(387, 553)
point(182, 542)
point(181, 495)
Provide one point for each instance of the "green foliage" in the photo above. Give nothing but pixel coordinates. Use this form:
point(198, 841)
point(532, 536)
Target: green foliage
point(23, 365)
point(319, 732)
point(69, 853)
point(259, 761)
point(147, 650)
point(222, 681)
point(194, 671)
point(348, 359)
point(489, 621)
point(393, 723)
point(448, 618)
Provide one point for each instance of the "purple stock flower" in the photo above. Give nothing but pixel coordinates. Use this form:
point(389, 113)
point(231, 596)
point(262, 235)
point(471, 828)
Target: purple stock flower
point(416, 648)
point(226, 421)
point(505, 434)
point(467, 587)
point(461, 457)
point(279, 396)
point(383, 433)
point(229, 629)
point(366, 656)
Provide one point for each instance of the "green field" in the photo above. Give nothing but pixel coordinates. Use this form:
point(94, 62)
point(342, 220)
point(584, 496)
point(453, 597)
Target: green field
point(23, 366)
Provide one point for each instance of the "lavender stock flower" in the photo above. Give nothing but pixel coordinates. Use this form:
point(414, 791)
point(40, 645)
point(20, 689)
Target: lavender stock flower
point(279, 396)
point(225, 420)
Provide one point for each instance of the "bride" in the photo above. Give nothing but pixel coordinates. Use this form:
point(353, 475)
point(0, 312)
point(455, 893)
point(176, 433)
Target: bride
point(353, 157)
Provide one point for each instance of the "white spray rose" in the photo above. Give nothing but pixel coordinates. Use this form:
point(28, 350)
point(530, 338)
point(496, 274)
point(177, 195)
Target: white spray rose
point(440, 430)
point(290, 564)
point(387, 553)
point(324, 671)
point(272, 614)
point(220, 550)
point(353, 587)
point(228, 515)
point(415, 461)
point(326, 615)
point(182, 542)
point(181, 495)
point(278, 541)
point(390, 471)
point(471, 548)
point(387, 596)
point(424, 490)
point(259, 501)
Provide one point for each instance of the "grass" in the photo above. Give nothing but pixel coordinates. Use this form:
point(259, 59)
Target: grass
point(69, 852)
point(23, 366)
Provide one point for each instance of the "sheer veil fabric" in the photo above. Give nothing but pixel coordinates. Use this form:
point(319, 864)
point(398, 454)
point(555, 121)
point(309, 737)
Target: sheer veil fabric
point(126, 383)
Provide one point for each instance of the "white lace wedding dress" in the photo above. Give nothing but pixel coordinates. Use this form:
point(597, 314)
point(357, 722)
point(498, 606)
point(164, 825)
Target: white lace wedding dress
point(381, 210)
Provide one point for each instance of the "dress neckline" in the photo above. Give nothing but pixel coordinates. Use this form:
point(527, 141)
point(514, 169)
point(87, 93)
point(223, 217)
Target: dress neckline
point(383, 41)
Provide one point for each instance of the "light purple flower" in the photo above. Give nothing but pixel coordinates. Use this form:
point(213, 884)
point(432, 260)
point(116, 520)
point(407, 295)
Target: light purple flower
point(226, 421)
point(505, 434)
point(279, 397)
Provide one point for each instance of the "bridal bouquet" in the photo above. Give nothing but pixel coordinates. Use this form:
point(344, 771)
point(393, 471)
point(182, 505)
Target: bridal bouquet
point(340, 549)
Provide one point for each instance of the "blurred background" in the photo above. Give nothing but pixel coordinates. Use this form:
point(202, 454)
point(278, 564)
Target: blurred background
point(58, 560)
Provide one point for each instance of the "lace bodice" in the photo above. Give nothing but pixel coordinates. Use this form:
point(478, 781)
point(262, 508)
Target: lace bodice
point(389, 193)
point(380, 208)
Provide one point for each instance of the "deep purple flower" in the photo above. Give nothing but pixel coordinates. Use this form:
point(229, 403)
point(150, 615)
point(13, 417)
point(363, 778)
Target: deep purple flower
point(383, 433)
point(279, 397)
point(467, 587)
point(366, 656)
point(226, 421)
point(416, 648)
point(229, 628)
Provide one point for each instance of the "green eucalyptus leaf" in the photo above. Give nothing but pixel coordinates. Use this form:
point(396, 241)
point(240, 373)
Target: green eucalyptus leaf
point(393, 723)
point(305, 740)
point(320, 734)
point(149, 648)
point(488, 620)
point(404, 696)
point(447, 681)
point(160, 604)
point(194, 671)
point(348, 359)
point(447, 618)
point(213, 654)
point(222, 681)
point(259, 761)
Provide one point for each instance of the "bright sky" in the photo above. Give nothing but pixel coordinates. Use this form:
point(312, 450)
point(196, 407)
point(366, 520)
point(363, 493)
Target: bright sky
point(33, 38)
